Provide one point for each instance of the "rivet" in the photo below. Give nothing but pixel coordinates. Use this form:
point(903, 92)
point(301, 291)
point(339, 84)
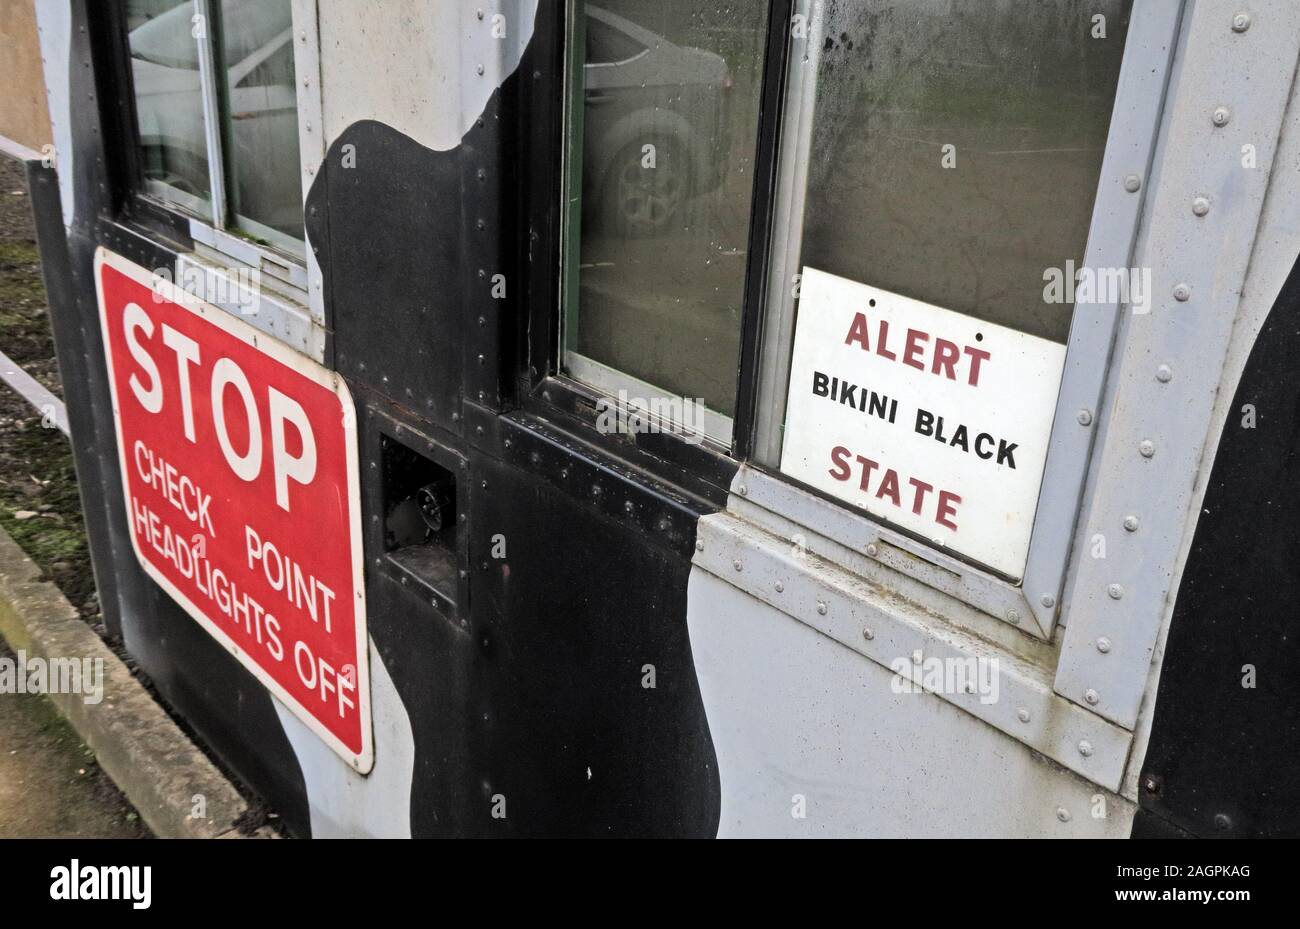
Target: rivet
point(1048, 601)
point(1132, 183)
point(1062, 814)
point(1091, 696)
point(1023, 715)
point(868, 634)
point(1116, 591)
point(1164, 374)
point(738, 566)
point(1241, 22)
point(1103, 645)
point(1200, 206)
point(780, 588)
point(1222, 821)
point(742, 490)
point(1221, 116)
point(1085, 748)
point(1013, 617)
point(821, 607)
point(480, 14)
point(1085, 417)
point(1146, 448)
point(1182, 293)
point(479, 69)
point(873, 550)
point(1131, 523)
point(699, 546)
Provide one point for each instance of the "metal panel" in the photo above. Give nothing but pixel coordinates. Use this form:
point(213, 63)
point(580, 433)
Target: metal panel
point(1135, 122)
point(879, 624)
point(812, 740)
point(889, 547)
point(280, 317)
point(1226, 94)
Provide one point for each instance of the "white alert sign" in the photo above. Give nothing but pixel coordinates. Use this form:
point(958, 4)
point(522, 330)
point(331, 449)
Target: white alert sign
point(931, 420)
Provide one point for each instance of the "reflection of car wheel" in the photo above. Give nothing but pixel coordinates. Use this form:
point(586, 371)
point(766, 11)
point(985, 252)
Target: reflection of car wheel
point(176, 169)
point(642, 194)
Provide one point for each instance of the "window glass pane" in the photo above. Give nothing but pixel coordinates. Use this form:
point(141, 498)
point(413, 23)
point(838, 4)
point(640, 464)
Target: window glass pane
point(940, 162)
point(1022, 93)
point(169, 102)
point(261, 133)
point(666, 115)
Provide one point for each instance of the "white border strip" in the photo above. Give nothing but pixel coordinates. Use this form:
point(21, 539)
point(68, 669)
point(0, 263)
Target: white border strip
point(34, 393)
point(18, 150)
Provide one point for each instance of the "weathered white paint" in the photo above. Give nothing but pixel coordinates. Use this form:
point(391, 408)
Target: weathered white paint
point(342, 802)
point(414, 65)
point(795, 714)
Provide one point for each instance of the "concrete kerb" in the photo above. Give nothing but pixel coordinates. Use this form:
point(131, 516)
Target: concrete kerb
point(159, 769)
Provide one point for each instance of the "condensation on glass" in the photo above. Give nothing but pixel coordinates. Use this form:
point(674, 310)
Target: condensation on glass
point(665, 105)
point(169, 102)
point(261, 118)
point(251, 79)
point(1022, 92)
point(945, 150)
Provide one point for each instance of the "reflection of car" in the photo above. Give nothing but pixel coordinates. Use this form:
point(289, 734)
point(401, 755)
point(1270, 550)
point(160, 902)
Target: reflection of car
point(643, 90)
point(261, 98)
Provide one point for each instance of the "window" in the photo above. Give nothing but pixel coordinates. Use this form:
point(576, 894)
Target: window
point(224, 149)
point(663, 126)
point(941, 162)
point(940, 237)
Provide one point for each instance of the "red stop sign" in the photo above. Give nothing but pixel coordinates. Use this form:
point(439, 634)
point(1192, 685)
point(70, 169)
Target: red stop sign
point(239, 472)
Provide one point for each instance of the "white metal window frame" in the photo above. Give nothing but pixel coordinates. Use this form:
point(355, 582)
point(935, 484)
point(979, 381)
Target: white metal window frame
point(288, 303)
point(1031, 605)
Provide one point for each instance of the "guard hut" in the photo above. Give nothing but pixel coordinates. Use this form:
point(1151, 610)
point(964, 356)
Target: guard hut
point(629, 417)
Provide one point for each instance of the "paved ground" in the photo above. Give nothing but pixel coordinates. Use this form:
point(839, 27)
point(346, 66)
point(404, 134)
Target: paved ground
point(49, 782)
point(50, 785)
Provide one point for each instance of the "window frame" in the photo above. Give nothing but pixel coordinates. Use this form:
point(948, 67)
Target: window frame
point(289, 302)
point(779, 502)
point(285, 265)
point(728, 436)
point(1031, 604)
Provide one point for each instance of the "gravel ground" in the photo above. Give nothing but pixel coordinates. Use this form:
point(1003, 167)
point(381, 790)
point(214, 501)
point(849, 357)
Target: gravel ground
point(50, 785)
point(39, 505)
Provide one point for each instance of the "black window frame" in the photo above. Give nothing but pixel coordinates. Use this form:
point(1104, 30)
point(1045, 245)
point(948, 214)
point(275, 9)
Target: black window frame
point(542, 389)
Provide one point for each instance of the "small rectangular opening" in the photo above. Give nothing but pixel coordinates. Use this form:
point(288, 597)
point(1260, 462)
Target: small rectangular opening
point(420, 518)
